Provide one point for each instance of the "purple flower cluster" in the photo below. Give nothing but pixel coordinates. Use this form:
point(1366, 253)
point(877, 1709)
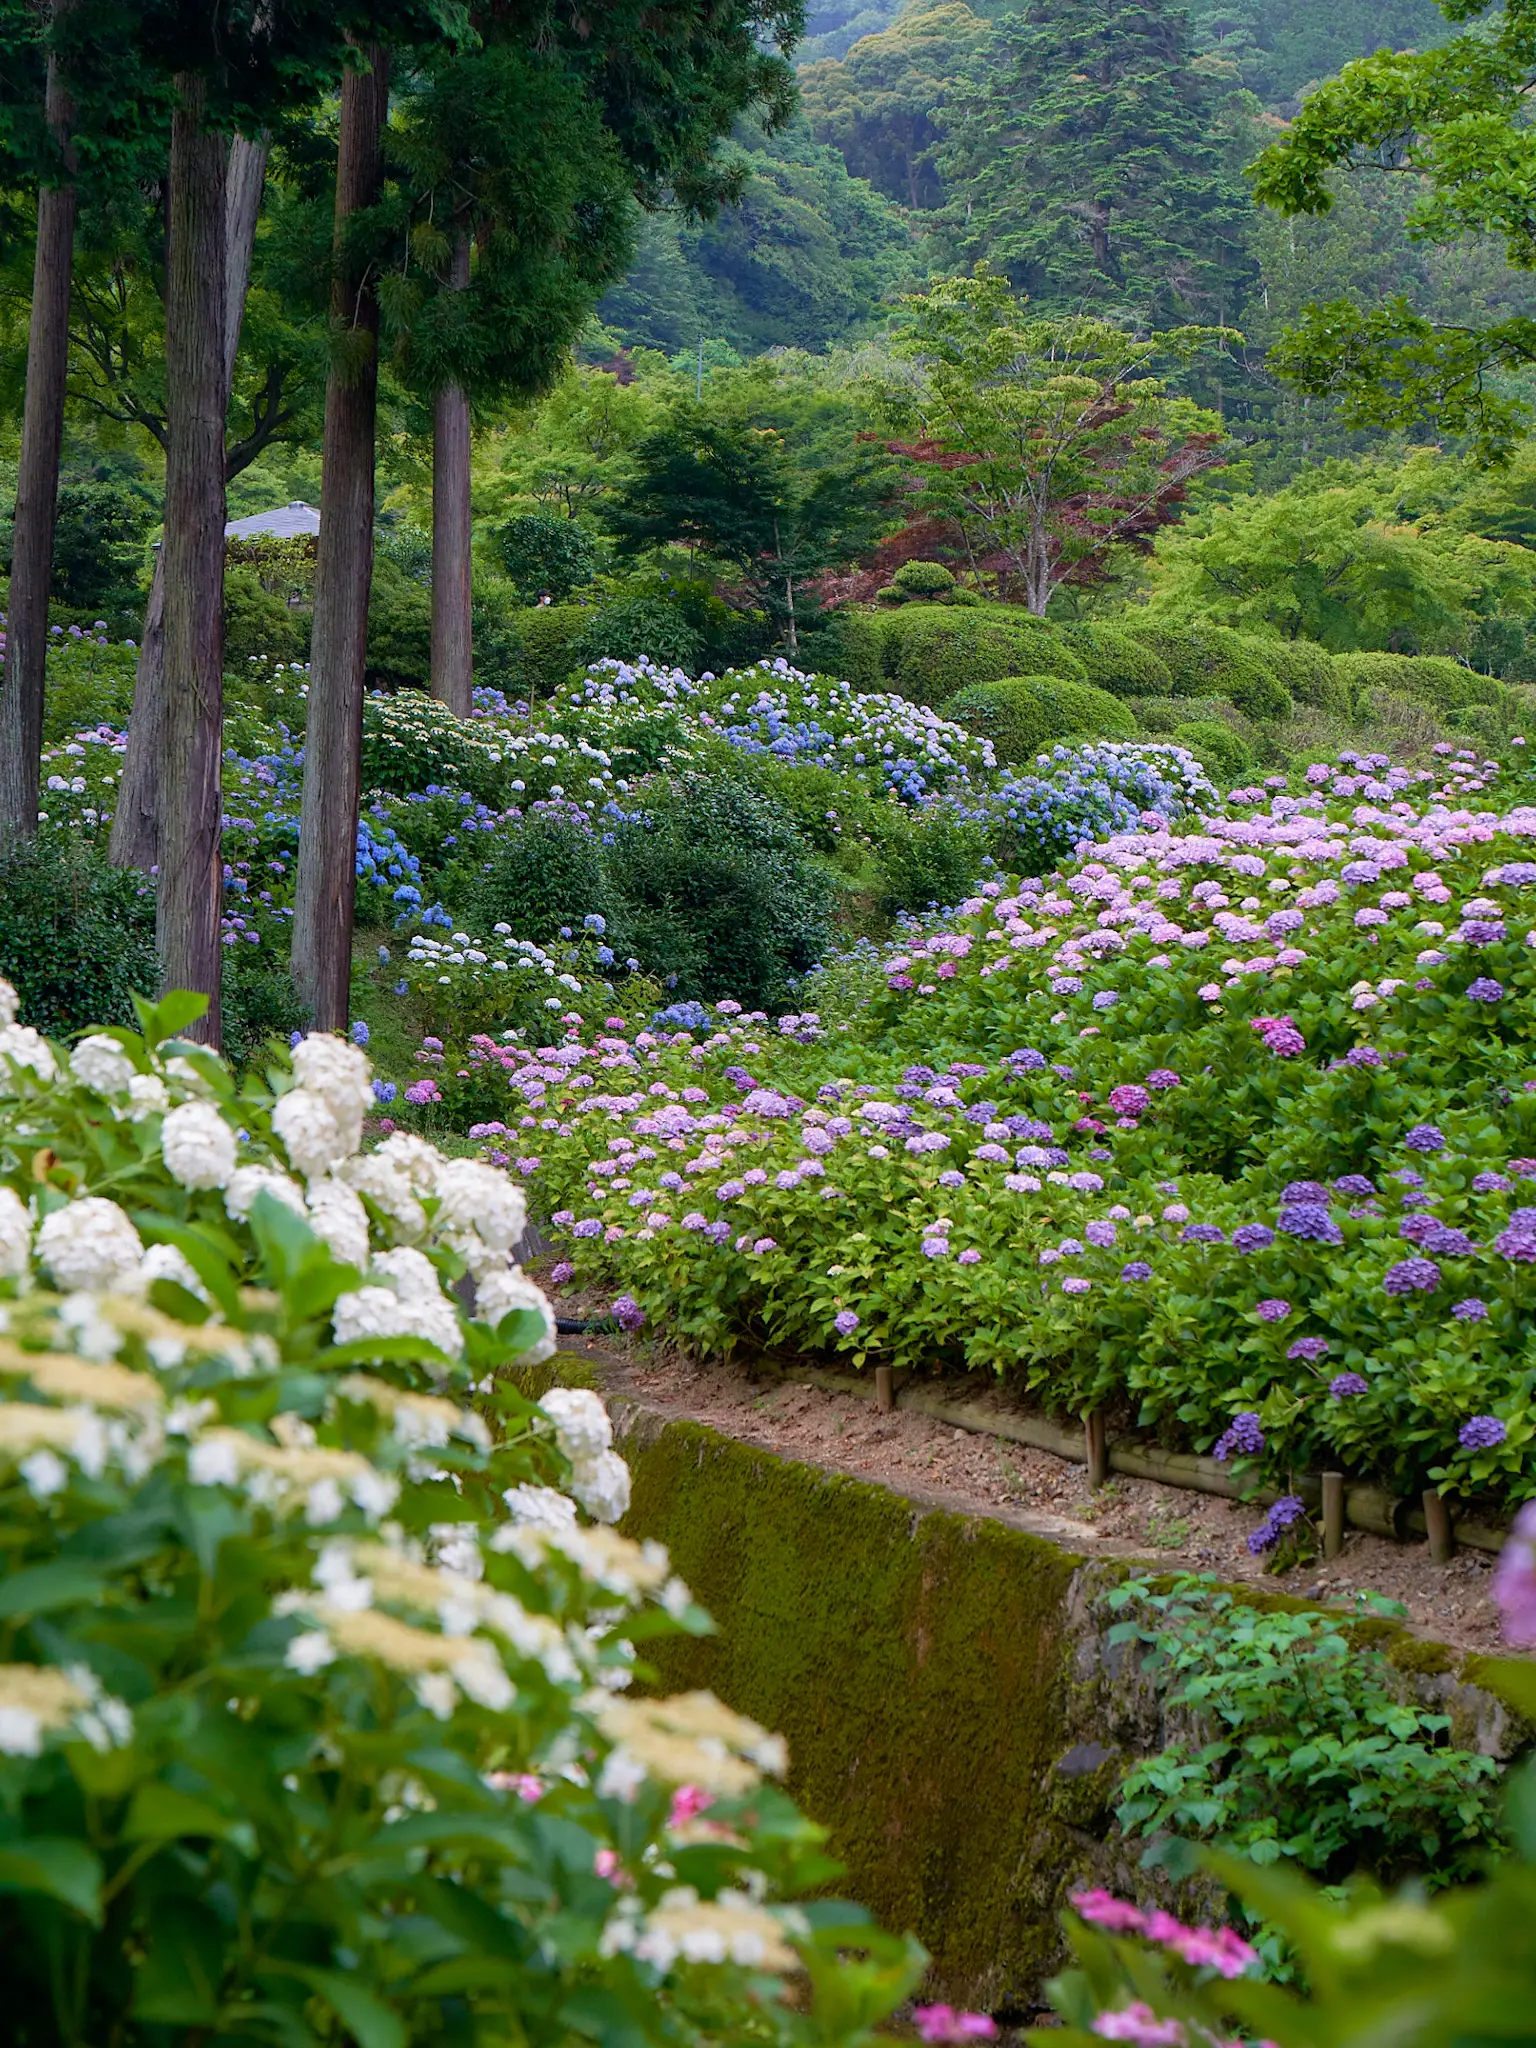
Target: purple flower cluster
point(1138, 1269)
point(1202, 1233)
point(1285, 1514)
point(1355, 1184)
point(1345, 1385)
point(1309, 1191)
point(1517, 1240)
point(628, 1313)
point(1485, 990)
point(1311, 1349)
point(1481, 1433)
point(1244, 1436)
point(1425, 1138)
point(1411, 1276)
point(1471, 1310)
point(845, 1322)
point(1252, 1237)
point(1311, 1222)
point(1273, 1311)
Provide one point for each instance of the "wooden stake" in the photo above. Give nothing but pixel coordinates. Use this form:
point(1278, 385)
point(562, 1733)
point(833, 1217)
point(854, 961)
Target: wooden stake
point(1098, 1448)
point(885, 1392)
point(1333, 1513)
point(1437, 1520)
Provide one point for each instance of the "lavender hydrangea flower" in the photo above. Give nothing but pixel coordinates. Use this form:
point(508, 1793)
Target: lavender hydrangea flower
point(1481, 1433)
point(845, 1322)
point(1518, 1238)
point(1202, 1233)
point(1309, 1191)
point(1273, 1311)
point(1138, 1269)
point(935, 1247)
point(1101, 1234)
point(969, 1257)
point(1244, 1435)
point(1489, 1184)
point(628, 1313)
point(1485, 990)
point(589, 1226)
point(1311, 1349)
point(1410, 1276)
point(1252, 1237)
point(1344, 1385)
point(1311, 1222)
point(1354, 1184)
point(1425, 1138)
point(1514, 1581)
point(1285, 1514)
point(1471, 1310)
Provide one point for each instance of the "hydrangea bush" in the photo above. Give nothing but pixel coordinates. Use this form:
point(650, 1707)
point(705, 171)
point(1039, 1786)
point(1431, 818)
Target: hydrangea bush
point(315, 1707)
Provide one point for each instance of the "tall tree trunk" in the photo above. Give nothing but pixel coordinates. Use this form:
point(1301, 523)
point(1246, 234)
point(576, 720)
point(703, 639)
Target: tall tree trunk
point(452, 629)
point(37, 482)
point(327, 881)
point(135, 825)
point(190, 889)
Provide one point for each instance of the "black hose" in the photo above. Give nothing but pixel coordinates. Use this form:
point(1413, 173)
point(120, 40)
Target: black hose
point(586, 1326)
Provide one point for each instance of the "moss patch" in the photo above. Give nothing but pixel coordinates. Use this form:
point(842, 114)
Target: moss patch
point(917, 1663)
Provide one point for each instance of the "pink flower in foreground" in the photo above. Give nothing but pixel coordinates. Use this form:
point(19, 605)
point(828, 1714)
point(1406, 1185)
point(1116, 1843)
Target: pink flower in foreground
point(1102, 1909)
point(1141, 2024)
point(941, 2023)
point(688, 1802)
point(1514, 1581)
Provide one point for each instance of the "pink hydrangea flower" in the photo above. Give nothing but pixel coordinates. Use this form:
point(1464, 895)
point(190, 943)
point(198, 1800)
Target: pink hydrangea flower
point(942, 2023)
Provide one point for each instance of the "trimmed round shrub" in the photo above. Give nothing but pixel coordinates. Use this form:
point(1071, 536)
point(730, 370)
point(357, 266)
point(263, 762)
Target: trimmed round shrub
point(1432, 679)
point(77, 937)
point(545, 637)
point(931, 651)
point(849, 645)
point(1224, 756)
point(1022, 714)
point(1213, 661)
point(1121, 663)
point(537, 876)
point(636, 626)
point(923, 579)
point(1305, 669)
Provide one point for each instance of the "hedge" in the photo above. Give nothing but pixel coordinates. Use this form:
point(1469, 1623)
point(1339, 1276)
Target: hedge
point(1022, 714)
point(1121, 663)
point(932, 651)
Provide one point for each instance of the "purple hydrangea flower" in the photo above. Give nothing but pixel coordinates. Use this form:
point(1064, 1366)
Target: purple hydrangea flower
point(1244, 1435)
point(1514, 1582)
point(1481, 1433)
point(560, 1272)
point(1100, 1234)
point(1309, 1348)
point(935, 1247)
point(1285, 1514)
point(1273, 1311)
point(1252, 1237)
point(1163, 1077)
point(969, 1257)
point(589, 1226)
point(1305, 1191)
point(1485, 990)
point(1489, 1184)
point(1075, 1284)
point(1354, 1184)
point(1362, 1056)
point(1311, 1222)
point(1106, 999)
point(628, 1313)
point(1202, 1233)
point(1471, 1310)
point(1344, 1385)
point(1138, 1269)
point(845, 1322)
point(1425, 1138)
point(1411, 1275)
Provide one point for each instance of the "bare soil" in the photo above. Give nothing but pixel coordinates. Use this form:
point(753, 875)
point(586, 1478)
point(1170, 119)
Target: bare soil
point(980, 1475)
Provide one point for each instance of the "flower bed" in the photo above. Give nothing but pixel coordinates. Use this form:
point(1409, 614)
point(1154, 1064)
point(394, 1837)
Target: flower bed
point(1248, 1172)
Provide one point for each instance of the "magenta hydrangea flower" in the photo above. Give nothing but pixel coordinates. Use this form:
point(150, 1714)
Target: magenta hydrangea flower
point(1164, 1077)
point(942, 2025)
point(1129, 1100)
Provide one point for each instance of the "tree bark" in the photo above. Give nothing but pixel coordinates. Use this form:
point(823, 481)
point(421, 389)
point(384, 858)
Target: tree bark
point(327, 880)
point(190, 891)
point(135, 824)
point(37, 482)
point(452, 627)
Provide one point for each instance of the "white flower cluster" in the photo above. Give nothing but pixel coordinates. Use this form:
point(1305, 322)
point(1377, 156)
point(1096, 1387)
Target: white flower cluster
point(599, 1476)
point(38, 1700)
point(682, 1927)
point(321, 1120)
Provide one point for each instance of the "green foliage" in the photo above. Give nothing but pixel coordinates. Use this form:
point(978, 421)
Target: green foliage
point(1305, 670)
point(924, 579)
point(928, 857)
point(1225, 755)
point(536, 876)
point(718, 895)
point(541, 553)
point(258, 622)
point(636, 626)
point(1441, 684)
point(399, 625)
point(1120, 663)
point(410, 742)
point(98, 545)
point(1084, 164)
point(1210, 661)
point(1305, 1749)
point(1021, 714)
point(77, 937)
point(87, 684)
point(932, 651)
point(545, 656)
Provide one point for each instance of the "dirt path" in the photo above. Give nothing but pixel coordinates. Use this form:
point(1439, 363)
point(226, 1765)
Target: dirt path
point(980, 1475)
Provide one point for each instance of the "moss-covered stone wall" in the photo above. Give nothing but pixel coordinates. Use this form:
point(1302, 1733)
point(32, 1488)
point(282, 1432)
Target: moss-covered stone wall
point(954, 1714)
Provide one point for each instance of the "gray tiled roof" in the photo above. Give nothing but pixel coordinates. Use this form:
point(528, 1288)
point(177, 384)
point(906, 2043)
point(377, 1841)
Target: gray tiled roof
point(280, 522)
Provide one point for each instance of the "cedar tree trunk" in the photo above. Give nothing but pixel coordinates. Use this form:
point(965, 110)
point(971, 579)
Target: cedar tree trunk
point(452, 631)
point(190, 892)
point(327, 880)
point(37, 483)
point(136, 824)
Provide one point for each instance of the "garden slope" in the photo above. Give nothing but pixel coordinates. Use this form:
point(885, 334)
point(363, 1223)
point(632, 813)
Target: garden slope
point(953, 1712)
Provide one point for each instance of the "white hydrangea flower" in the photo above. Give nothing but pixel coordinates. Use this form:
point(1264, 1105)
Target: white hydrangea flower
point(388, 1187)
point(582, 1428)
point(309, 1130)
point(89, 1244)
point(101, 1063)
point(419, 1161)
point(147, 1096)
point(339, 1220)
point(167, 1262)
point(542, 1506)
point(601, 1484)
point(247, 1182)
point(480, 1258)
point(500, 1293)
point(404, 1300)
point(198, 1147)
point(25, 1047)
point(473, 1196)
point(189, 1080)
point(15, 1235)
point(338, 1073)
point(10, 1002)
